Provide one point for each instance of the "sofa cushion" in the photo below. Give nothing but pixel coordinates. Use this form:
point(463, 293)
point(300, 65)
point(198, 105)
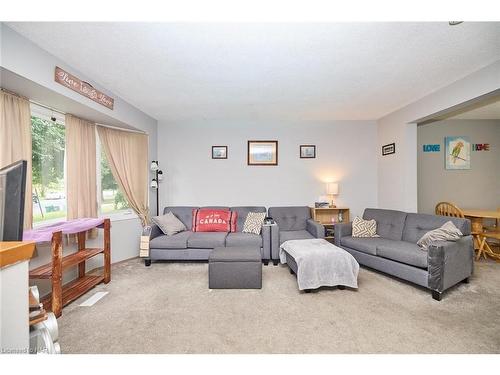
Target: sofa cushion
point(390, 223)
point(253, 223)
point(183, 213)
point(364, 228)
point(242, 214)
point(214, 220)
point(243, 239)
point(366, 245)
point(169, 224)
point(417, 225)
point(286, 235)
point(290, 218)
point(206, 240)
point(176, 241)
point(447, 232)
point(404, 252)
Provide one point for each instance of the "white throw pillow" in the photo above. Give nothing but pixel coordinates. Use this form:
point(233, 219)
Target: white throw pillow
point(447, 232)
point(253, 222)
point(169, 224)
point(364, 228)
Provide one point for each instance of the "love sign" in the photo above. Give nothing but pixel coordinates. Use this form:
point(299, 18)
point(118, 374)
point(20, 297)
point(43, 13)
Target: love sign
point(432, 148)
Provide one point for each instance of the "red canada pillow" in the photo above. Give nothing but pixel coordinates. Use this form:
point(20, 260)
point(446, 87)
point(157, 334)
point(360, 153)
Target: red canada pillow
point(209, 220)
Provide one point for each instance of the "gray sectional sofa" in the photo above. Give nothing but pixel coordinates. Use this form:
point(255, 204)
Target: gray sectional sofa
point(292, 223)
point(396, 251)
point(190, 245)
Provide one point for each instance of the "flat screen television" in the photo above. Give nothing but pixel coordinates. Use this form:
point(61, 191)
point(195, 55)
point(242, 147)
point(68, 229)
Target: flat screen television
point(12, 193)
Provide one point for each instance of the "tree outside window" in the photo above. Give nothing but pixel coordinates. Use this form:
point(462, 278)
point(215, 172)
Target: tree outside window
point(49, 192)
point(112, 199)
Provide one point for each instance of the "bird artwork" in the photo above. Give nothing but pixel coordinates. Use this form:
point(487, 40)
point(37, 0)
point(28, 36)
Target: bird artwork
point(457, 152)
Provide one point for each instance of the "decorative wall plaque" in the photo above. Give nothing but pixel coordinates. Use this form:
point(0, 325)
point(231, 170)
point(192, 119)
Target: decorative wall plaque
point(83, 88)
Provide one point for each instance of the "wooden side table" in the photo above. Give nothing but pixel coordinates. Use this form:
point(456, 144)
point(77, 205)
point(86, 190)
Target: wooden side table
point(64, 294)
point(330, 216)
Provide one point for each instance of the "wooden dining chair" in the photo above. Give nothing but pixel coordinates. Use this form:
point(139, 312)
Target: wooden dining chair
point(448, 209)
point(484, 246)
point(493, 241)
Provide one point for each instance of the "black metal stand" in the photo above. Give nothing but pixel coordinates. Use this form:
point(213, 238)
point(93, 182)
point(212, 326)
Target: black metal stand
point(157, 193)
point(156, 181)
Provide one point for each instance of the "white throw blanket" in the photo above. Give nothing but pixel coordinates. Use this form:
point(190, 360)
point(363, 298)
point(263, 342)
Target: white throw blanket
point(320, 263)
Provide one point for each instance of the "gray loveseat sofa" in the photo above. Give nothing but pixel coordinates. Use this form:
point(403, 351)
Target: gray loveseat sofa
point(292, 223)
point(396, 251)
point(190, 245)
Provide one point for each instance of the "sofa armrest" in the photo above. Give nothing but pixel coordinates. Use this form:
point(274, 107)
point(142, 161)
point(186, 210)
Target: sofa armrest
point(450, 263)
point(155, 231)
point(341, 230)
point(315, 228)
point(266, 241)
point(275, 241)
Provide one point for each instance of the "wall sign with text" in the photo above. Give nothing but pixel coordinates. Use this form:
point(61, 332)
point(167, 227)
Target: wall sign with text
point(431, 148)
point(83, 88)
point(481, 147)
point(437, 147)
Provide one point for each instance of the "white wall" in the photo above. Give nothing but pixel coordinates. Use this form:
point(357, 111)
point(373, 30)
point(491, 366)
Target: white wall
point(345, 153)
point(24, 58)
point(397, 174)
point(478, 187)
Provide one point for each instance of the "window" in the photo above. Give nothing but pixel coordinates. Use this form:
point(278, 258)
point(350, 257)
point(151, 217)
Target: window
point(49, 172)
point(49, 188)
point(112, 199)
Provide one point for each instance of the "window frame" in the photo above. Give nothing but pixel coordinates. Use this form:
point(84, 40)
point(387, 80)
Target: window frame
point(44, 113)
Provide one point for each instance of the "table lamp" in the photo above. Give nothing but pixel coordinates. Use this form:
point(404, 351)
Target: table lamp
point(332, 188)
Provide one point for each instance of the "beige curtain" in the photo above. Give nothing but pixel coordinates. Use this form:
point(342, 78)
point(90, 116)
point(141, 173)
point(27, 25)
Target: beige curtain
point(80, 168)
point(15, 141)
point(127, 155)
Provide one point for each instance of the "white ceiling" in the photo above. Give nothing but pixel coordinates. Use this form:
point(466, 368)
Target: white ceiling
point(487, 112)
point(190, 71)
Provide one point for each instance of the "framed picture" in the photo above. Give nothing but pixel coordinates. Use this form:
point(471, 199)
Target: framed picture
point(457, 152)
point(388, 149)
point(262, 153)
point(219, 152)
point(307, 151)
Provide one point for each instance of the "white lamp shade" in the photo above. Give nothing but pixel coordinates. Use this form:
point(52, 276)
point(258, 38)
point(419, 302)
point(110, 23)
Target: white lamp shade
point(154, 184)
point(154, 165)
point(332, 188)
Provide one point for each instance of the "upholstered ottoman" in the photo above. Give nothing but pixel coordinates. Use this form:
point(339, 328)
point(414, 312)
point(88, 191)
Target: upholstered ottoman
point(235, 268)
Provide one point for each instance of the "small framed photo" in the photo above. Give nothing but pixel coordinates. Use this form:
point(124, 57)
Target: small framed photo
point(307, 151)
point(262, 153)
point(219, 152)
point(388, 149)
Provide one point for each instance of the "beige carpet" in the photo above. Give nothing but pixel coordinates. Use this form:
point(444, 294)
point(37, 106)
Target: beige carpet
point(168, 308)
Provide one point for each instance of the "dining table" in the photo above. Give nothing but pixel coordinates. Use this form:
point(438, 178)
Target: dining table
point(477, 217)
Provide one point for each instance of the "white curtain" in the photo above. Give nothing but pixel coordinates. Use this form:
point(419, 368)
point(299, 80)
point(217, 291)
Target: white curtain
point(15, 141)
point(81, 168)
point(127, 155)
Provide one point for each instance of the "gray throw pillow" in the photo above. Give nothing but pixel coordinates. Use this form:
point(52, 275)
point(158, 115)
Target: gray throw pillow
point(447, 232)
point(169, 224)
